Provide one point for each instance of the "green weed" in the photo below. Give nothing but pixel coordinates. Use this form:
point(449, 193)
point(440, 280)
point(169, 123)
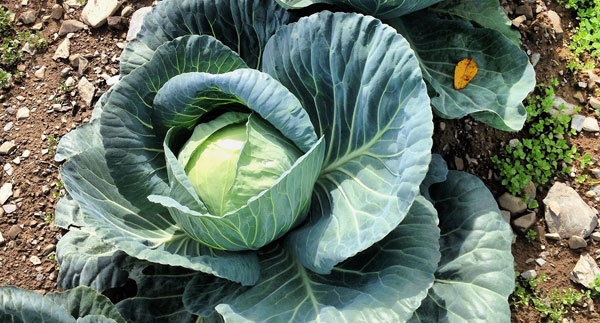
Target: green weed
point(586, 40)
point(553, 306)
point(530, 235)
point(545, 151)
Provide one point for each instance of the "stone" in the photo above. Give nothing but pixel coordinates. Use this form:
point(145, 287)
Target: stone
point(8, 169)
point(63, 50)
point(86, 91)
point(524, 10)
point(127, 11)
point(26, 153)
point(5, 192)
point(596, 172)
point(585, 270)
point(9, 208)
point(73, 3)
point(35, 260)
point(567, 214)
point(590, 193)
point(562, 106)
point(555, 21)
point(582, 85)
point(540, 261)
point(590, 124)
point(579, 96)
point(7, 148)
point(70, 26)
point(28, 17)
point(506, 216)
point(1, 239)
point(70, 82)
point(96, 12)
point(48, 249)
point(525, 222)
point(519, 20)
point(460, 164)
point(577, 242)
point(22, 113)
point(135, 24)
point(8, 126)
point(57, 12)
point(13, 232)
point(595, 236)
point(593, 77)
point(117, 22)
point(535, 59)
point(552, 236)
point(40, 73)
point(74, 60)
point(595, 102)
point(83, 65)
point(512, 203)
point(577, 122)
point(529, 274)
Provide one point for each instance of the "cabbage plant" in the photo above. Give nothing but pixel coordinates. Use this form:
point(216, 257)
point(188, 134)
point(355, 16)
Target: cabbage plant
point(257, 163)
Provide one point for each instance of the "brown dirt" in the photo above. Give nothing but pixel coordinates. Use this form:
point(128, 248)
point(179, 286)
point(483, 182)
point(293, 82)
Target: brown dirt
point(35, 177)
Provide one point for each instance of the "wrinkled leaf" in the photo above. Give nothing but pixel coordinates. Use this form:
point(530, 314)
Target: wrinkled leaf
point(242, 25)
point(383, 9)
point(486, 13)
point(360, 83)
point(504, 78)
point(475, 275)
point(384, 283)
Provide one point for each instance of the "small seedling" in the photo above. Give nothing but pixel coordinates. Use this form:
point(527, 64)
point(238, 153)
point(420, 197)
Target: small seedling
point(553, 306)
point(531, 235)
point(49, 218)
point(539, 157)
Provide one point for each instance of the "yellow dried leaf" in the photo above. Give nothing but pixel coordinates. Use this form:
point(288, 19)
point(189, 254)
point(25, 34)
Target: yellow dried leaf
point(464, 72)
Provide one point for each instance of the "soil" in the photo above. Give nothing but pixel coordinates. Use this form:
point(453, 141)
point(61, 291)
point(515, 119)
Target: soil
point(465, 144)
point(28, 231)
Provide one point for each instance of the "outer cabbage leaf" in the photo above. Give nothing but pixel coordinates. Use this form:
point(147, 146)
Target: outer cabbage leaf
point(486, 13)
point(151, 236)
point(159, 293)
point(361, 85)
point(18, 305)
point(242, 25)
point(384, 9)
point(504, 79)
point(437, 173)
point(384, 283)
point(84, 301)
point(67, 212)
point(86, 260)
point(475, 275)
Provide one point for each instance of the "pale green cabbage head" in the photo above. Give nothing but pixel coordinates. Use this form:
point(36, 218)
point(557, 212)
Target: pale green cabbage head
point(233, 158)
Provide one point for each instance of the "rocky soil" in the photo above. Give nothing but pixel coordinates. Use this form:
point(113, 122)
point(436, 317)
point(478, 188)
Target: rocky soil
point(55, 95)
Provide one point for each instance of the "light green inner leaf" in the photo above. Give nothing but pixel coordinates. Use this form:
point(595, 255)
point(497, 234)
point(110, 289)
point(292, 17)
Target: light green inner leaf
point(229, 161)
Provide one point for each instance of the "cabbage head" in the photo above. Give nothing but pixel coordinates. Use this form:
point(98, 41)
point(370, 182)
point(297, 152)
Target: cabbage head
point(257, 163)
